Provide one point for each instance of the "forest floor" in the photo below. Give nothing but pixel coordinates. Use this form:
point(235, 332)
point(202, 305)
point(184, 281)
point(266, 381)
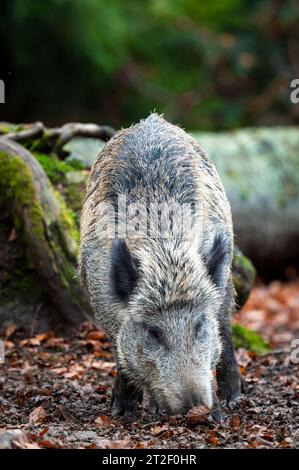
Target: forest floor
point(55, 390)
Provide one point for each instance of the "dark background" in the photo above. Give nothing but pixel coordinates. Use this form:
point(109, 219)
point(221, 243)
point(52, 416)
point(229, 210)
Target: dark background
point(206, 64)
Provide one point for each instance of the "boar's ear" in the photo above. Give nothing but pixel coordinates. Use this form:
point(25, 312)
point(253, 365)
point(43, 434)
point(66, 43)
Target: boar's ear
point(124, 270)
point(217, 259)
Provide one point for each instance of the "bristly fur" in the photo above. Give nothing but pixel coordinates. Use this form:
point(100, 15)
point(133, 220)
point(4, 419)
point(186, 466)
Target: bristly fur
point(173, 283)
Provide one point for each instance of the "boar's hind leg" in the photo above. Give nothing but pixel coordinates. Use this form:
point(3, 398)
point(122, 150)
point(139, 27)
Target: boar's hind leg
point(228, 375)
point(125, 398)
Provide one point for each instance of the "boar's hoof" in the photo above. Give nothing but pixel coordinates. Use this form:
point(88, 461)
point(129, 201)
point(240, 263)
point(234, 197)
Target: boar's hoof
point(125, 398)
point(153, 408)
point(123, 409)
point(155, 411)
point(216, 416)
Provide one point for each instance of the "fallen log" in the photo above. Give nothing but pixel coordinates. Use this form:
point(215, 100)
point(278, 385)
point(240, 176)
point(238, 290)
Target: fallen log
point(260, 172)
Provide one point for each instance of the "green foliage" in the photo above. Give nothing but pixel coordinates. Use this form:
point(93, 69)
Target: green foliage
point(206, 64)
point(245, 338)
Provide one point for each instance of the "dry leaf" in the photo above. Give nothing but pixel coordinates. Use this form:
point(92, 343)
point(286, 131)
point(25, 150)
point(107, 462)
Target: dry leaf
point(30, 342)
point(54, 342)
point(101, 388)
point(108, 444)
point(253, 444)
point(286, 443)
point(9, 344)
point(139, 445)
point(103, 365)
point(44, 336)
point(30, 445)
point(96, 335)
point(198, 414)
point(157, 430)
point(38, 415)
point(47, 444)
point(102, 421)
point(43, 432)
point(10, 329)
point(234, 422)
point(213, 439)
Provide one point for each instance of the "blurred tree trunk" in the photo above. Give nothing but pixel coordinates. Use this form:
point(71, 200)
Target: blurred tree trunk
point(260, 172)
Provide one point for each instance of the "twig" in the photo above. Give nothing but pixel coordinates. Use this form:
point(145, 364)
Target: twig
point(77, 129)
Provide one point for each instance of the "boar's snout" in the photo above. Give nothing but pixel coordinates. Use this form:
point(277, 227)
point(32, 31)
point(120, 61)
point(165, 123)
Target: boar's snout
point(181, 403)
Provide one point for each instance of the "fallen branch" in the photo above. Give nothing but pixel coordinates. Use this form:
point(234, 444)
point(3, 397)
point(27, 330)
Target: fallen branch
point(54, 139)
point(32, 132)
point(76, 129)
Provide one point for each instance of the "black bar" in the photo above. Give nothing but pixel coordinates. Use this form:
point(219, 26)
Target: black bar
point(143, 458)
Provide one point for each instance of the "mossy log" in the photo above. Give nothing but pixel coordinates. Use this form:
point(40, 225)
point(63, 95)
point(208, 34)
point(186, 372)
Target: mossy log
point(47, 226)
point(260, 172)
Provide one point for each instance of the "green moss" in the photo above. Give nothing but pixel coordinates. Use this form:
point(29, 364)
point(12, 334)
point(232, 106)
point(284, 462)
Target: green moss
point(12, 172)
point(17, 188)
point(23, 285)
point(58, 173)
point(7, 127)
point(56, 169)
point(248, 339)
point(60, 238)
point(74, 195)
point(243, 276)
point(67, 219)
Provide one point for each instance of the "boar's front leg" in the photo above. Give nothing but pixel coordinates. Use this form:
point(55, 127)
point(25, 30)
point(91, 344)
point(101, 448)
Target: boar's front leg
point(228, 374)
point(125, 398)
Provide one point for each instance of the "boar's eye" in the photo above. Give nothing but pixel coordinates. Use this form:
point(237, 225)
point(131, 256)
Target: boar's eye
point(156, 334)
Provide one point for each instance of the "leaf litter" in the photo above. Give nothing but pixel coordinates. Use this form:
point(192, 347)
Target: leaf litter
point(55, 391)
